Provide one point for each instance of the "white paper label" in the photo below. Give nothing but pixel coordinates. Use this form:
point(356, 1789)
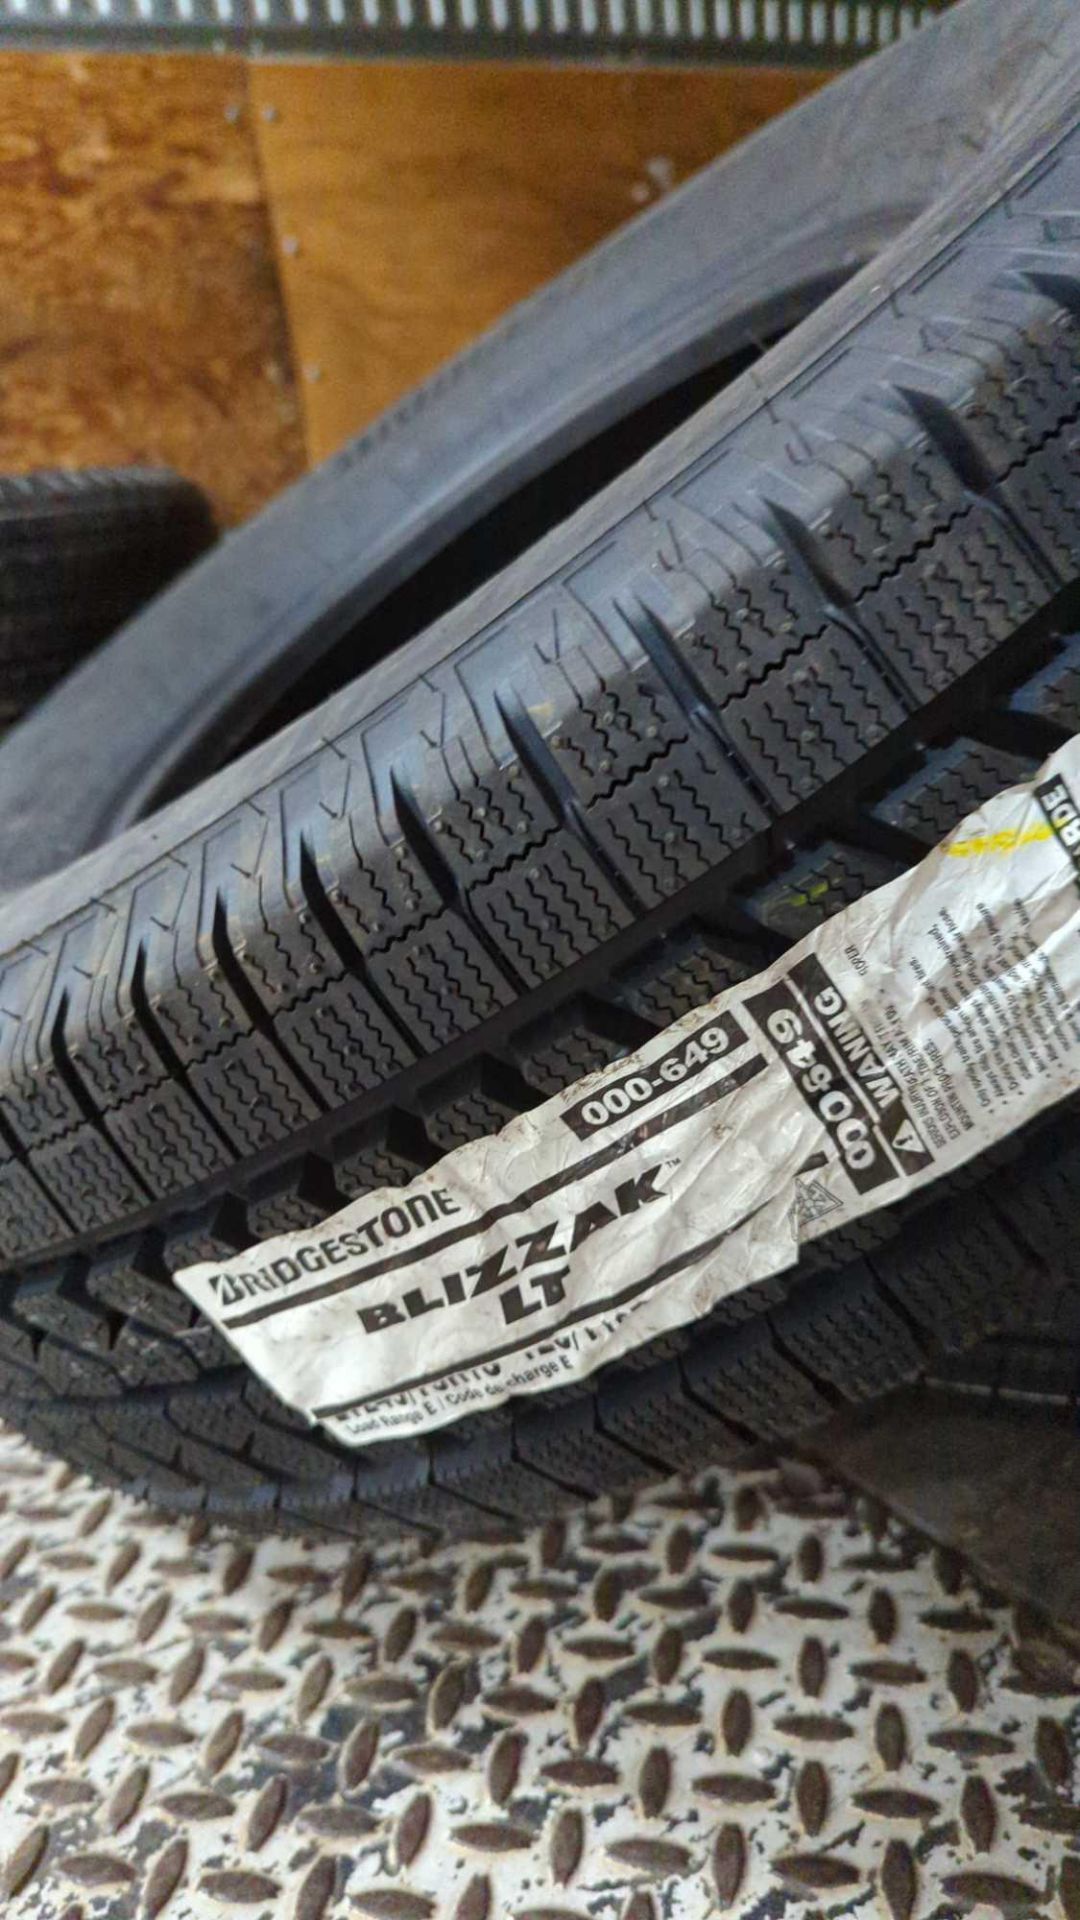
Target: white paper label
point(904, 1036)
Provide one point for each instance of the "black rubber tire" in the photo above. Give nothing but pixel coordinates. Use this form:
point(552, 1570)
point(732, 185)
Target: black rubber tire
point(736, 256)
point(80, 553)
point(757, 675)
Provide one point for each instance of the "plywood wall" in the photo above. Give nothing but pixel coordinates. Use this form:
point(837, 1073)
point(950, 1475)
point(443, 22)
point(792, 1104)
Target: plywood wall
point(413, 204)
point(231, 268)
point(140, 312)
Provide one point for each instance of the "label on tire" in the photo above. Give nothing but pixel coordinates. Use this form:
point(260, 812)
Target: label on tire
point(906, 1035)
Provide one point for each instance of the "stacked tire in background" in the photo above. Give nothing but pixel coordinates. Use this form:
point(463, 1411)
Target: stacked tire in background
point(80, 553)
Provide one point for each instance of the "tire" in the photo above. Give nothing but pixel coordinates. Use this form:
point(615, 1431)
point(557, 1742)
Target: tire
point(80, 553)
point(757, 675)
point(399, 524)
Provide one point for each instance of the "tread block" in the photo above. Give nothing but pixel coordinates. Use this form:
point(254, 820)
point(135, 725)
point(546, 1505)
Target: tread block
point(140, 1472)
point(252, 1094)
point(214, 1234)
point(77, 1372)
point(485, 1471)
point(145, 1358)
point(236, 1419)
point(478, 1109)
point(443, 983)
point(39, 1104)
point(288, 1454)
point(796, 696)
point(342, 1040)
point(376, 1157)
point(953, 782)
point(324, 1016)
point(17, 1344)
point(192, 991)
point(301, 1196)
point(567, 1443)
point(18, 1383)
point(56, 1303)
point(422, 958)
point(1043, 496)
point(555, 1053)
point(943, 611)
point(689, 973)
point(145, 1109)
point(1024, 342)
point(548, 910)
point(130, 1277)
point(819, 716)
point(537, 891)
point(77, 1436)
point(746, 1379)
point(220, 1417)
point(957, 1272)
point(1054, 693)
point(816, 886)
point(166, 1139)
point(673, 824)
point(142, 1425)
point(90, 1183)
point(398, 1482)
point(223, 1474)
point(266, 1406)
point(846, 1333)
point(30, 1219)
point(659, 1422)
point(890, 493)
point(1037, 1198)
point(849, 1243)
point(209, 1349)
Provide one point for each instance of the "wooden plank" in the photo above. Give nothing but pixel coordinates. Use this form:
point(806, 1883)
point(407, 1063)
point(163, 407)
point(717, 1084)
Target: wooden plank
point(140, 318)
point(413, 204)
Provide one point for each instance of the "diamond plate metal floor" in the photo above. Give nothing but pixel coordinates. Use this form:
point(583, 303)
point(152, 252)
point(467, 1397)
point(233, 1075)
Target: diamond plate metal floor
point(756, 1698)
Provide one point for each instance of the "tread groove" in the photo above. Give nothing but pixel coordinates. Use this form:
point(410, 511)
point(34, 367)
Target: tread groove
point(690, 696)
point(245, 993)
point(419, 837)
point(166, 1053)
point(18, 1154)
point(68, 1074)
point(821, 1386)
point(340, 939)
point(539, 762)
point(952, 442)
point(796, 540)
point(1062, 288)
